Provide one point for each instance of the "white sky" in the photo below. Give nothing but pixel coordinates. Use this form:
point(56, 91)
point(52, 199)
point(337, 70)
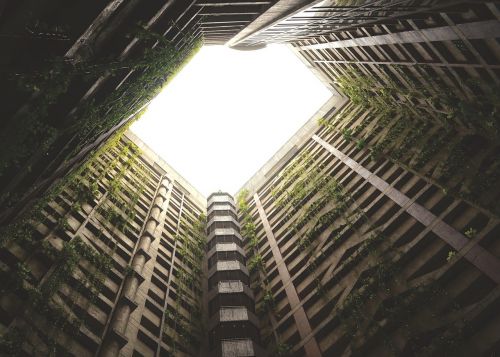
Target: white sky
point(228, 112)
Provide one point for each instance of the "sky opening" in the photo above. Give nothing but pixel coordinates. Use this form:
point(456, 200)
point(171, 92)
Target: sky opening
point(228, 112)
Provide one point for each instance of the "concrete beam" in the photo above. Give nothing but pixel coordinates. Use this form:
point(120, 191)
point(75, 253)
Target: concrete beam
point(474, 253)
point(473, 30)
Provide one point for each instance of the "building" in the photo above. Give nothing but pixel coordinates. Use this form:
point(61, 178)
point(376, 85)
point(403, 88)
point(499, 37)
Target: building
point(373, 231)
point(75, 75)
point(352, 254)
point(113, 265)
point(233, 328)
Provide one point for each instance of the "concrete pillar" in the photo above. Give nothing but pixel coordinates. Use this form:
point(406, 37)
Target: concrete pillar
point(115, 338)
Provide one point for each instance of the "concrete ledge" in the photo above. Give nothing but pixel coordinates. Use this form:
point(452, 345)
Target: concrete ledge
point(224, 232)
point(225, 247)
point(230, 287)
point(221, 207)
point(223, 219)
point(220, 197)
point(237, 348)
point(233, 314)
point(228, 266)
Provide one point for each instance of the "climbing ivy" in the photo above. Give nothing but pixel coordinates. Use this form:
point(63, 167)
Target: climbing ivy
point(441, 152)
point(190, 248)
point(32, 134)
point(256, 265)
point(67, 251)
point(481, 114)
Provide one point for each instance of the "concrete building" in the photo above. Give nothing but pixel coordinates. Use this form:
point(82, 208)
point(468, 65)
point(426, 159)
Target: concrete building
point(233, 328)
point(113, 264)
point(372, 231)
point(361, 255)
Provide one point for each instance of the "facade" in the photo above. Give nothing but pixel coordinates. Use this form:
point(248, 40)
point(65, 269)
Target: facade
point(360, 255)
point(74, 74)
point(372, 231)
point(233, 328)
point(363, 228)
point(112, 265)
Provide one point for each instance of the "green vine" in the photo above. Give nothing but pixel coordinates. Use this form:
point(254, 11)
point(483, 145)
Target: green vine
point(190, 248)
point(47, 298)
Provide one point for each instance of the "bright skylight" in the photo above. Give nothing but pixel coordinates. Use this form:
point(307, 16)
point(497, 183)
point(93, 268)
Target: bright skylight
point(228, 112)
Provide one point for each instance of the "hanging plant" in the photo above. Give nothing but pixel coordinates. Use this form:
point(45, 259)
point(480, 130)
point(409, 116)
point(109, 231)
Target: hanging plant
point(255, 263)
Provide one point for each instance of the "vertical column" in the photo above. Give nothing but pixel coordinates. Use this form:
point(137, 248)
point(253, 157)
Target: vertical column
point(169, 281)
point(233, 326)
point(126, 304)
point(303, 326)
point(473, 252)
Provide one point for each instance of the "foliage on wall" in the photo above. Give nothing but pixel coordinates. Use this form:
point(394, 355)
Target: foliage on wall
point(427, 130)
point(190, 249)
point(76, 268)
point(33, 134)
